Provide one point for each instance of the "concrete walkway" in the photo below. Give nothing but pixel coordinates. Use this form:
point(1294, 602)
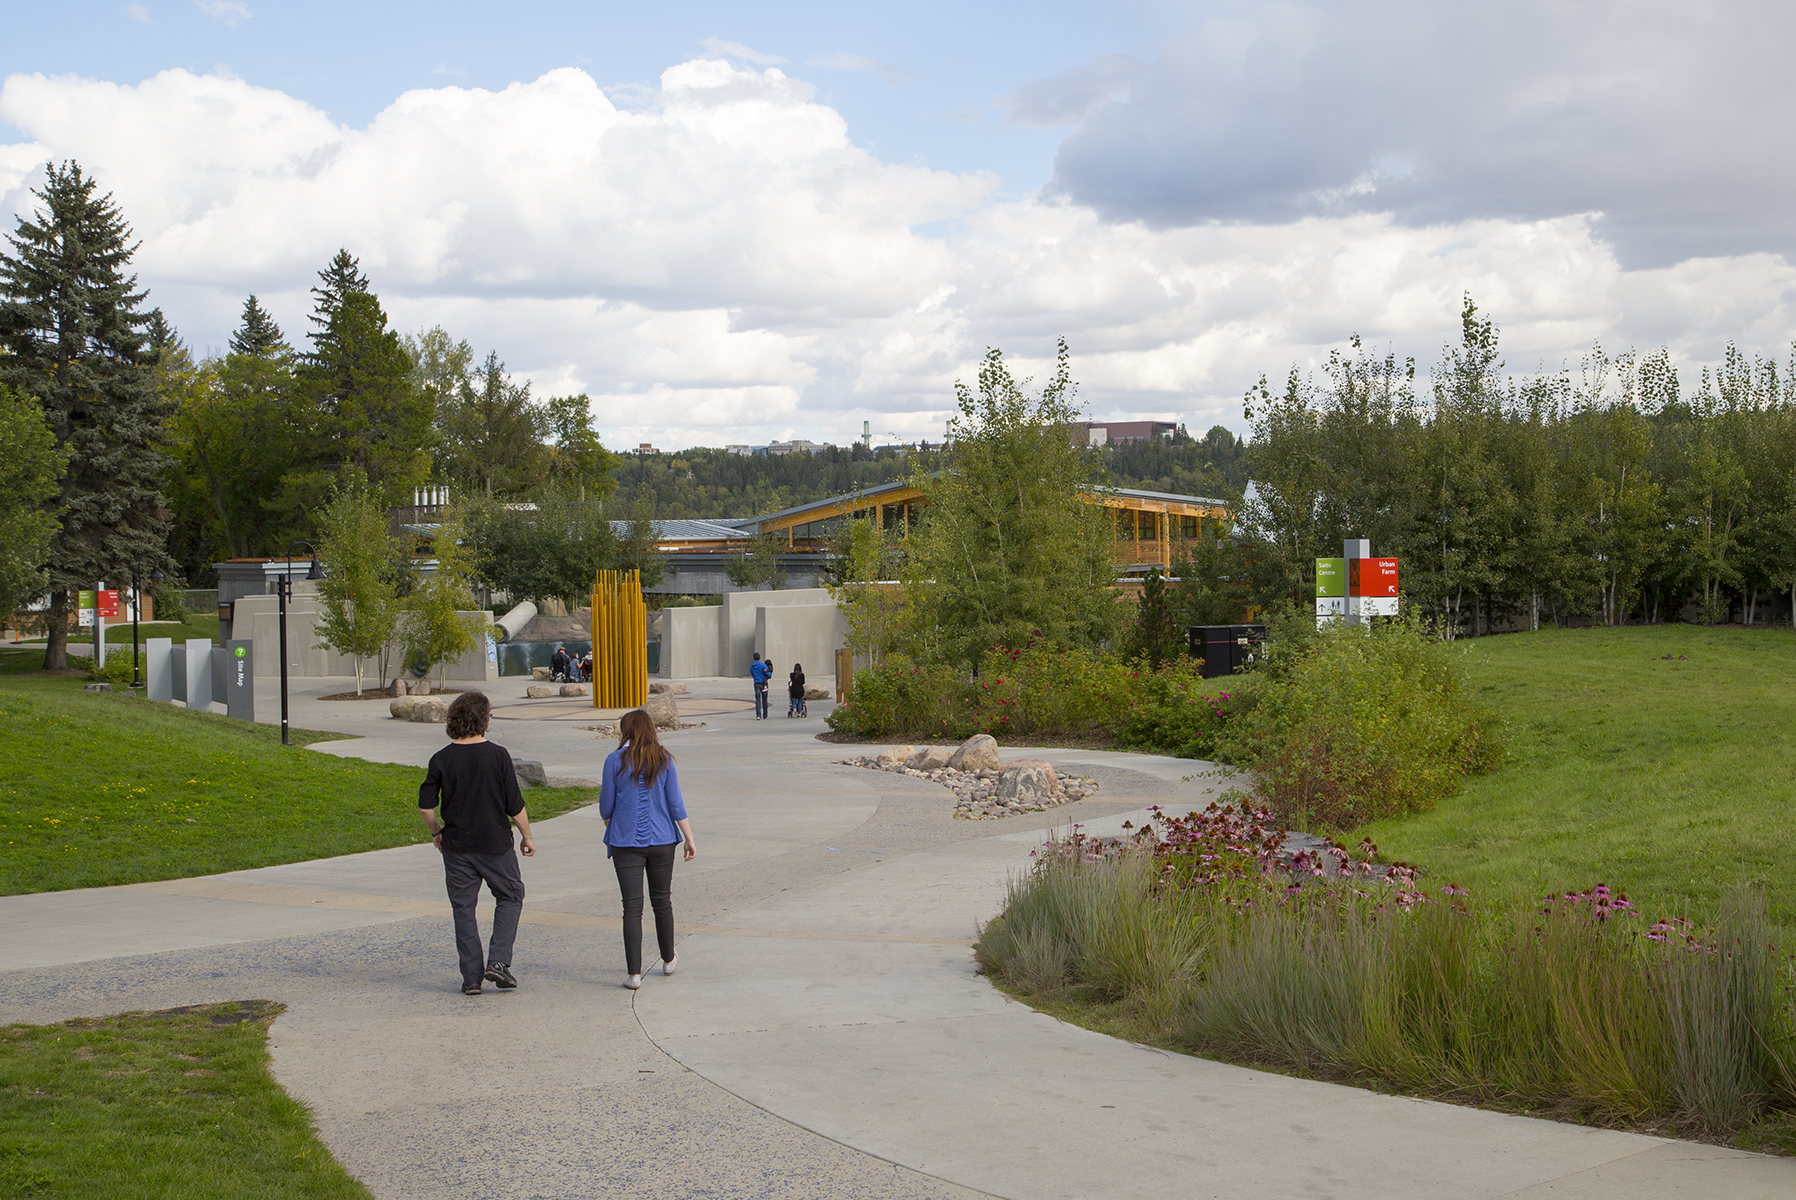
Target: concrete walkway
point(825, 1036)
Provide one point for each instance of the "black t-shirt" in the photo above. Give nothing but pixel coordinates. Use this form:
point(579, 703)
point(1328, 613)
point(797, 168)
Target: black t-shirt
point(478, 788)
point(795, 685)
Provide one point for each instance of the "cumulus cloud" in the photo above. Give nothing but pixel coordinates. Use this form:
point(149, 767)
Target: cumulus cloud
point(1065, 98)
point(722, 262)
point(1664, 119)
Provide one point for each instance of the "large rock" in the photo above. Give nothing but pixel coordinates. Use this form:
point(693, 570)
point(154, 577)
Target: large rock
point(530, 773)
point(402, 706)
point(892, 760)
point(538, 693)
point(419, 687)
point(542, 674)
point(573, 689)
point(428, 710)
point(397, 688)
point(1028, 780)
point(673, 689)
point(663, 711)
point(977, 753)
point(816, 693)
point(97, 687)
point(929, 758)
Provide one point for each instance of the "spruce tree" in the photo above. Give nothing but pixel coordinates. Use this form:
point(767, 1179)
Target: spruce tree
point(73, 336)
point(341, 279)
point(258, 336)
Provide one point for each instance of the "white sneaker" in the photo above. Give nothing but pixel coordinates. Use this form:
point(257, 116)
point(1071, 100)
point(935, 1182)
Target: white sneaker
point(634, 982)
point(667, 968)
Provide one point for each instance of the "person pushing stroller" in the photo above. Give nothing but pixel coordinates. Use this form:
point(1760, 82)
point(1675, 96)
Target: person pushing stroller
point(795, 691)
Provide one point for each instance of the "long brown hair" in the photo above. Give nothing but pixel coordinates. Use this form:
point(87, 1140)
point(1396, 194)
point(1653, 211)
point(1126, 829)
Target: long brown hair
point(643, 752)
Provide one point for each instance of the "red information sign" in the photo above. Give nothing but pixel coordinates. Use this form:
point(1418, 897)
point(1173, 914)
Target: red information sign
point(108, 605)
point(1372, 577)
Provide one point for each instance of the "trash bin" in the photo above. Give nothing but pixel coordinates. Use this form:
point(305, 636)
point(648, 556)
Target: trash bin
point(1226, 649)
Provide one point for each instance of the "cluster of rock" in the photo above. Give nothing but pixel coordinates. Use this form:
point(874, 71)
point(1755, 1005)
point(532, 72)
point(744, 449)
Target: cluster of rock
point(541, 691)
point(409, 687)
point(676, 689)
point(428, 710)
point(984, 787)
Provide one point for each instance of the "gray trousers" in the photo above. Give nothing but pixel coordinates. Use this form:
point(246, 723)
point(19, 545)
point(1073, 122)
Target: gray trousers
point(463, 873)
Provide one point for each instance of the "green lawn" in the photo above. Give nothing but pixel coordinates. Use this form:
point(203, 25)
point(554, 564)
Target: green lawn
point(100, 789)
point(1667, 778)
point(148, 1105)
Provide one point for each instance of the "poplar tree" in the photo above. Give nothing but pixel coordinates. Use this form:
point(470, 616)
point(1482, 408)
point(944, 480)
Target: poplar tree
point(30, 465)
point(73, 336)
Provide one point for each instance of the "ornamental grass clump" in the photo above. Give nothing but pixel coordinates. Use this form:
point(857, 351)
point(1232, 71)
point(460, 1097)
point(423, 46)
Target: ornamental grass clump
point(1207, 933)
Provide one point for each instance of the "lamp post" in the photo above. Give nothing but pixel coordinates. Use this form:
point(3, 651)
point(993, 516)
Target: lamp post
point(136, 613)
point(283, 587)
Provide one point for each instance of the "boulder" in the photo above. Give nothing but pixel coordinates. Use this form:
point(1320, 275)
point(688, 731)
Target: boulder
point(893, 760)
point(977, 753)
point(98, 687)
point(402, 706)
point(929, 758)
point(1028, 780)
point(663, 711)
point(397, 688)
point(541, 674)
point(537, 693)
point(420, 687)
point(816, 693)
point(530, 773)
point(428, 711)
point(573, 689)
point(674, 689)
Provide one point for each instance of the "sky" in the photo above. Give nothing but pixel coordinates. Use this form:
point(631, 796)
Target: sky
point(730, 223)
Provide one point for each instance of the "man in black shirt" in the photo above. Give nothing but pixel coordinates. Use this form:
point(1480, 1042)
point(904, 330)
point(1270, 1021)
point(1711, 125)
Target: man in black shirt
point(477, 785)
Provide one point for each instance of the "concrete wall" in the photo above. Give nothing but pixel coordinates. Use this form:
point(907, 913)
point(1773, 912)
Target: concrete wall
point(257, 619)
point(787, 626)
point(736, 639)
point(689, 641)
point(800, 633)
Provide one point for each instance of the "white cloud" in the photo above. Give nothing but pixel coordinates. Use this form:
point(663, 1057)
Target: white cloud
point(893, 73)
point(231, 12)
point(737, 50)
point(138, 12)
point(724, 264)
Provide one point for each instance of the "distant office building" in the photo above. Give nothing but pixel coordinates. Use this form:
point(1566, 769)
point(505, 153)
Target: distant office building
point(645, 448)
point(1120, 433)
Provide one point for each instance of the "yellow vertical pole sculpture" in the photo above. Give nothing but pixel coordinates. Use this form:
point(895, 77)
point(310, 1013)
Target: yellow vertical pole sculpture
point(620, 641)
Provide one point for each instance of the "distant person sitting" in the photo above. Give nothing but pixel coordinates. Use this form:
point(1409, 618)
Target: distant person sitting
point(558, 664)
point(760, 672)
point(586, 666)
point(476, 784)
point(795, 690)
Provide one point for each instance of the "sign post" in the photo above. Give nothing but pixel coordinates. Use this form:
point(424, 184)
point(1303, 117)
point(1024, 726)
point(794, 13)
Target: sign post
point(1355, 586)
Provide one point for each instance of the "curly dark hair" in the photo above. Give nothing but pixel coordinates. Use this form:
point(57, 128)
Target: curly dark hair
point(469, 714)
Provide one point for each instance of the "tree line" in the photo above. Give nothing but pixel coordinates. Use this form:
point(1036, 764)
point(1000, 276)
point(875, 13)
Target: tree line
point(1617, 492)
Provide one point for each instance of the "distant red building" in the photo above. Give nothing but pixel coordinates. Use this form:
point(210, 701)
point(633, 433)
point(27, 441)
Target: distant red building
point(1119, 433)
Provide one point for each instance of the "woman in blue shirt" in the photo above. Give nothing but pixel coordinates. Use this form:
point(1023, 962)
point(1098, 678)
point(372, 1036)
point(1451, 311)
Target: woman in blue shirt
point(645, 818)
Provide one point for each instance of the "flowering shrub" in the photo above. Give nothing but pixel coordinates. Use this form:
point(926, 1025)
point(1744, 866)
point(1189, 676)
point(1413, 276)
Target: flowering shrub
point(1204, 933)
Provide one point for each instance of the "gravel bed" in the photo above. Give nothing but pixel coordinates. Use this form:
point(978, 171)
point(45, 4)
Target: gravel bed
point(976, 792)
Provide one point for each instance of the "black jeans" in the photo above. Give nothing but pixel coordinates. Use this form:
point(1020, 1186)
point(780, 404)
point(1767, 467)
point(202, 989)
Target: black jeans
point(631, 862)
point(463, 873)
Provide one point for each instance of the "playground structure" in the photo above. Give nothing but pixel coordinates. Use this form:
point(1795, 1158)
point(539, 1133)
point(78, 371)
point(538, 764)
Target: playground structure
point(620, 663)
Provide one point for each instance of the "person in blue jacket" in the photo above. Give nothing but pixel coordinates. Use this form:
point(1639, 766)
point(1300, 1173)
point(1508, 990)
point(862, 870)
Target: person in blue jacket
point(645, 819)
point(760, 672)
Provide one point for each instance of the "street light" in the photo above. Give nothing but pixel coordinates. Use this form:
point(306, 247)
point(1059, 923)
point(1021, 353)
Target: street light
point(136, 612)
point(283, 588)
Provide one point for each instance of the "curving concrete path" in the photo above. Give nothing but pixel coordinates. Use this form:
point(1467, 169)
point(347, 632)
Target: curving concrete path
point(826, 1035)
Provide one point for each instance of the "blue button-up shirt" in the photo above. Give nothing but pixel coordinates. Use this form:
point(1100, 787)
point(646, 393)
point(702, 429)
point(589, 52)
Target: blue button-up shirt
point(637, 813)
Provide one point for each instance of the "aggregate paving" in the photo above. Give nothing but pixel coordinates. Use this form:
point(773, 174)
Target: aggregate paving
point(826, 1034)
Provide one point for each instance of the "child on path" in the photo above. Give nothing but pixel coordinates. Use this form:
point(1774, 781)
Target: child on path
point(795, 689)
point(645, 818)
point(476, 785)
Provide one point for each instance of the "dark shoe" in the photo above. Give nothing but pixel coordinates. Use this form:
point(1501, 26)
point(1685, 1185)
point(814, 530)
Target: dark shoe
point(471, 989)
point(500, 973)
